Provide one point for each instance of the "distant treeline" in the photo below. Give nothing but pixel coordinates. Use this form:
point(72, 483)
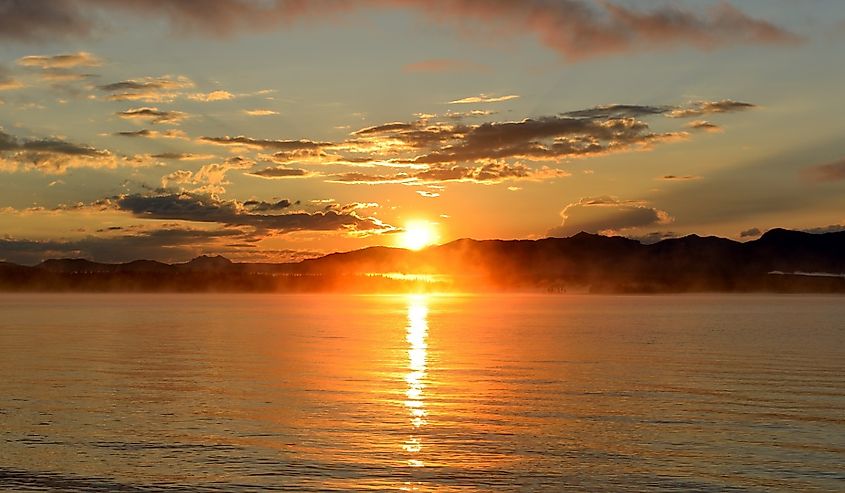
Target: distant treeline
point(779, 261)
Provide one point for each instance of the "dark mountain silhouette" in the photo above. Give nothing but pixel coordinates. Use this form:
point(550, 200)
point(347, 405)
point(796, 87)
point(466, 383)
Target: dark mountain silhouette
point(779, 261)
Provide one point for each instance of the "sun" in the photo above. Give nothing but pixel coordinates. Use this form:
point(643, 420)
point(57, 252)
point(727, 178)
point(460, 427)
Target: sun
point(418, 235)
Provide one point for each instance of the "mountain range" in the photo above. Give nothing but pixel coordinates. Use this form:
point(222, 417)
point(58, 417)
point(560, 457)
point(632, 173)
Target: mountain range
point(779, 261)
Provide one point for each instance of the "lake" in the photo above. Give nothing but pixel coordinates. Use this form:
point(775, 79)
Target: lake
point(247, 392)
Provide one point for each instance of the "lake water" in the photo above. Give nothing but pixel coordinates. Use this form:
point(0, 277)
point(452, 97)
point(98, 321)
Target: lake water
point(305, 393)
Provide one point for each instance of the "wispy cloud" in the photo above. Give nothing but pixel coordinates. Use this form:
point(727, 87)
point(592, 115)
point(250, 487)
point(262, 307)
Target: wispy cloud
point(698, 108)
point(261, 112)
point(279, 172)
point(71, 60)
point(679, 177)
point(484, 98)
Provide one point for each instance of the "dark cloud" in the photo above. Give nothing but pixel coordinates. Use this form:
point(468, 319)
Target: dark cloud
point(607, 215)
point(261, 206)
point(279, 172)
point(281, 145)
point(26, 20)
point(833, 228)
point(153, 115)
point(750, 233)
point(834, 171)
point(154, 134)
point(181, 156)
point(679, 177)
point(149, 89)
point(576, 29)
point(206, 208)
point(619, 111)
point(488, 152)
point(545, 138)
point(695, 108)
point(49, 155)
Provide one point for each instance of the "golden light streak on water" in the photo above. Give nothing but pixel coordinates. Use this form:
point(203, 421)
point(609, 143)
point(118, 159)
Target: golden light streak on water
point(417, 333)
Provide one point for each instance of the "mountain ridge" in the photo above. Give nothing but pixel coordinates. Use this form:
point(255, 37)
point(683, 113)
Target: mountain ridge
point(583, 261)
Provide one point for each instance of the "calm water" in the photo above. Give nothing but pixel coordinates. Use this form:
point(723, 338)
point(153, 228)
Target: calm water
point(414, 393)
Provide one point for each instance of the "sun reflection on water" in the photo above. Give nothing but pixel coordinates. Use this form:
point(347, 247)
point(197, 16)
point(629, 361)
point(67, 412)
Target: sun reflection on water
point(417, 333)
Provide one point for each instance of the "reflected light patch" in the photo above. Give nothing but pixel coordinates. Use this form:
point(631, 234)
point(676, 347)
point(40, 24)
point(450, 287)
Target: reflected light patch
point(416, 335)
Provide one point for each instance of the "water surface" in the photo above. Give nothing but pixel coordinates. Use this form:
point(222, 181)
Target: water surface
point(421, 393)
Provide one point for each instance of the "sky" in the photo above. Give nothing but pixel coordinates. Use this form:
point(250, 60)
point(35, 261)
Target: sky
point(277, 130)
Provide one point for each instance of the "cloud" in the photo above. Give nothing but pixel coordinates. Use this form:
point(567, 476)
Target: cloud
point(488, 174)
point(607, 215)
point(618, 111)
point(541, 139)
point(178, 177)
point(699, 108)
point(695, 108)
point(25, 20)
point(484, 98)
point(834, 171)
point(576, 29)
point(460, 115)
point(282, 145)
point(208, 209)
point(704, 125)
point(833, 228)
point(440, 65)
point(50, 155)
point(750, 233)
point(182, 156)
point(277, 172)
point(427, 194)
point(679, 177)
point(65, 61)
point(653, 237)
point(435, 150)
point(261, 206)
point(148, 89)
point(260, 112)
point(210, 178)
point(154, 134)
point(153, 115)
point(207, 97)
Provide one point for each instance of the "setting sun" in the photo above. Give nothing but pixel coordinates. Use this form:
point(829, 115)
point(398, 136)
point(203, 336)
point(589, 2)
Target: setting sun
point(418, 235)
